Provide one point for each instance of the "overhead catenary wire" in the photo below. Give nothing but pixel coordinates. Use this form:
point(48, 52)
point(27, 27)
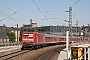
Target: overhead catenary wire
point(43, 6)
point(9, 17)
point(74, 14)
point(2, 15)
point(46, 12)
point(41, 11)
point(76, 18)
point(56, 17)
point(38, 8)
point(12, 10)
point(75, 3)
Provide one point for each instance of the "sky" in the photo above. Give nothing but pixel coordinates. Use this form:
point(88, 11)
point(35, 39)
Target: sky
point(20, 12)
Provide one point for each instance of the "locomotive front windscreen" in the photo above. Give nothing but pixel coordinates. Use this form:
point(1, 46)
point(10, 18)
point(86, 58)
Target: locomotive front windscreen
point(27, 37)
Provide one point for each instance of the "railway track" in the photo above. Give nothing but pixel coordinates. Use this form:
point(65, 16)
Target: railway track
point(49, 55)
point(13, 55)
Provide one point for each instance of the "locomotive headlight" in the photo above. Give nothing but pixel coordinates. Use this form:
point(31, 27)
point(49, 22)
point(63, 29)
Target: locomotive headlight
point(31, 39)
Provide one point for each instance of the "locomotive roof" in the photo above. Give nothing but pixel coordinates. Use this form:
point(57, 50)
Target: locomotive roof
point(29, 32)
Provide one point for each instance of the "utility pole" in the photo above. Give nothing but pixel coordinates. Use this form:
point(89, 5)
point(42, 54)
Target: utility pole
point(77, 30)
point(17, 34)
point(83, 32)
point(70, 21)
point(70, 24)
point(70, 29)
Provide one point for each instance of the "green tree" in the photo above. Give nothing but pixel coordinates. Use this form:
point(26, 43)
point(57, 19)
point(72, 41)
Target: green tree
point(10, 34)
point(11, 37)
point(21, 30)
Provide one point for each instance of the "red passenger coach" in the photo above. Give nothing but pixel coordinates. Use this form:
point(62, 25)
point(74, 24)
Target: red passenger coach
point(62, 39)
point(50, 39)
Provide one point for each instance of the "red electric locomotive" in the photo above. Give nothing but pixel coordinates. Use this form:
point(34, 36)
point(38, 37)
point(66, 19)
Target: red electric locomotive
point(32, 38)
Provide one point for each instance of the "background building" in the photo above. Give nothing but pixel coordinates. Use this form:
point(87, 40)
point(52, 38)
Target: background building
point(3, 36)
point(16, 32)
point(30, 27)
point(86, 30)
point(61, 30)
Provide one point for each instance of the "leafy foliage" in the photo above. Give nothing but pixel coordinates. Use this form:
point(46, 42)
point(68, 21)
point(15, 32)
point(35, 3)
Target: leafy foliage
point(11, 37)
point(10, 34)
point(21, 30)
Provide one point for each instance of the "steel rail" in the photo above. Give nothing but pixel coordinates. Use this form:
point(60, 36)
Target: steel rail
point(13, 55)
point(49, 54)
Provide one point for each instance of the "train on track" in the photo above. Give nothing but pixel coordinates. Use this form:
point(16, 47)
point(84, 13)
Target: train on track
point(34, 39)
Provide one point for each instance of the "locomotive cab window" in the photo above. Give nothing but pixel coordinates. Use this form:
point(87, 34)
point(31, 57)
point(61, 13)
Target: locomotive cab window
point(25, 35)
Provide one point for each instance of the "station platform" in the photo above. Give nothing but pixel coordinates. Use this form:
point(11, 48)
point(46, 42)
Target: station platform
point(9, 49)
point(6, 48)
point(63, 55)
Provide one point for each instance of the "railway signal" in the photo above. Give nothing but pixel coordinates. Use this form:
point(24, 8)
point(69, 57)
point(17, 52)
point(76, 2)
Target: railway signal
point(77, 53)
